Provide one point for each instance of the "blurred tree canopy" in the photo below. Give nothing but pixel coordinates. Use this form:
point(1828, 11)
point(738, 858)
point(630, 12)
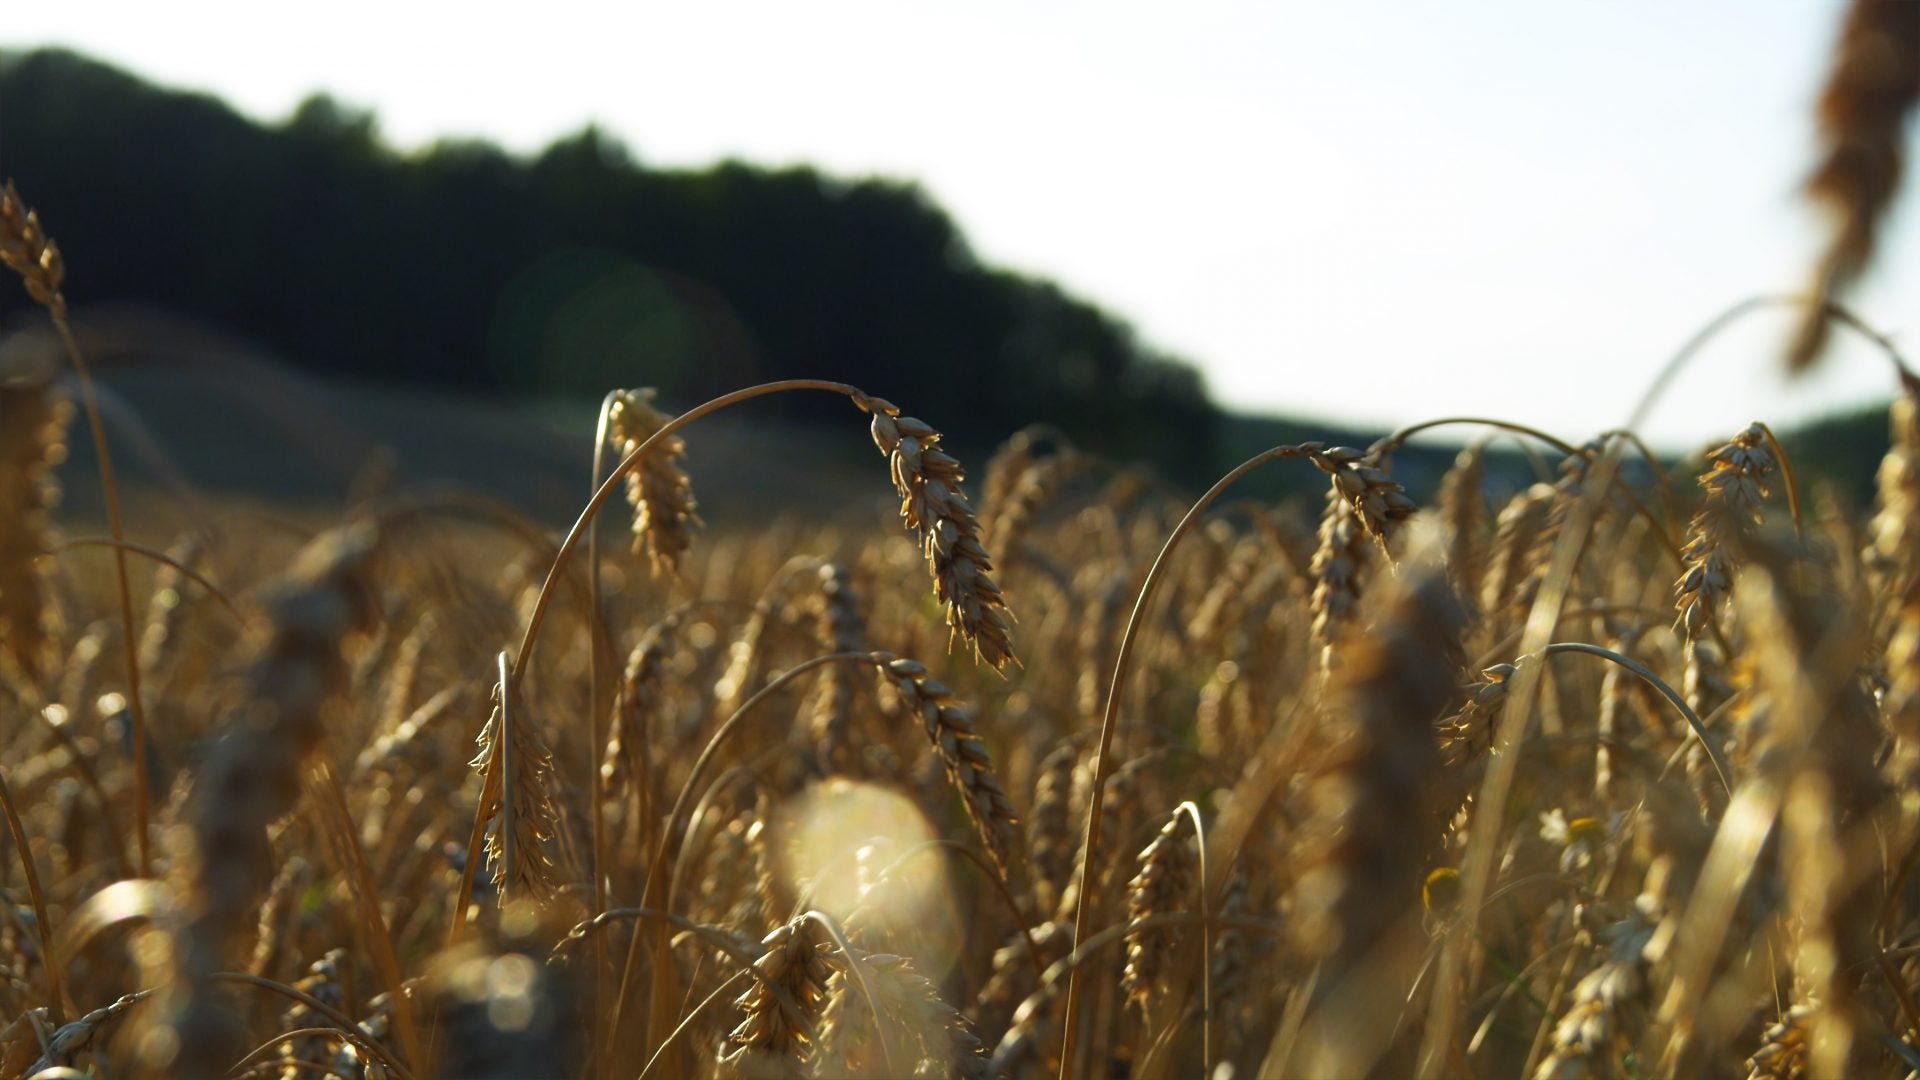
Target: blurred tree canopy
point(569, 273)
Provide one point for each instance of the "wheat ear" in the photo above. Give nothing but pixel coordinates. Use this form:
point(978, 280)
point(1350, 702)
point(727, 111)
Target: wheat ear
point(523, 823)
point(33, 422)
point(1736, 484)
point(933, 505)
point(949, 728)
point(784, 1003)
point(1166, 876)
point(1871, 90)
point(658, 487)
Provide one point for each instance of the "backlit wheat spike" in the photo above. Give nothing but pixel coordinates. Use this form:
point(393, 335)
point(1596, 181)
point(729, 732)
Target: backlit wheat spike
point(33, 424)
point(1462, 505)
point(1566, 494)
point(277, 911)
point(1050, 838)
point(29, 252)
point(747, 657)
point(1468, 733)
point(1165, 879)
point(1219, 607)
point(1031, 1047)
point(625, 760)
point(1892, 554)
point(1736, 485)
point(1900, 706)
point(659, 490)
point(1870, 94)
point(841, 629)
point(323, 982)
point(1339, 561)
point(1516, 533)
point(1594, 1031)
point(933, 505)
point(782, 1006)
point(1013, 515)
point(1808, 642)
point(1013, 976)
point(1378, 500)
point(1098, 637)
point(75, 1038)
point(924, 1033)
point(523, 823)
point(950, 729)
point(1011, 460)
point(1783, 1047)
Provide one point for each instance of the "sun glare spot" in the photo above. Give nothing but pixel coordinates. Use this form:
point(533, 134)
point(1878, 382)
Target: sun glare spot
point(865, 850)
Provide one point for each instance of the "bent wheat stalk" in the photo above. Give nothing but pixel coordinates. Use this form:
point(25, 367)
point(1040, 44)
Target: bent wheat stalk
point(1377, 508)
point(26, 247)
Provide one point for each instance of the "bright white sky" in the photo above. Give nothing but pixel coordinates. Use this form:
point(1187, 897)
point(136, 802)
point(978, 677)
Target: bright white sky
point(1365, 210)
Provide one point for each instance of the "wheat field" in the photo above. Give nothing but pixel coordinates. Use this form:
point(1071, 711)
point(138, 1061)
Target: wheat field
point(1616, 774)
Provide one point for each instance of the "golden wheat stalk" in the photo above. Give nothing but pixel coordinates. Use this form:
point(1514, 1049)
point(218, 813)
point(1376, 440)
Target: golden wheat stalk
point(1870, 93)
point(251, 777)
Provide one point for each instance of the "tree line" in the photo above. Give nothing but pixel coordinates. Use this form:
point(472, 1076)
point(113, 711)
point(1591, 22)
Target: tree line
point(567, 272)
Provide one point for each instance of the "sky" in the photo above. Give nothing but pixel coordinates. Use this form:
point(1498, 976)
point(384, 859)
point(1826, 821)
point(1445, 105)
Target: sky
point(1376, 212)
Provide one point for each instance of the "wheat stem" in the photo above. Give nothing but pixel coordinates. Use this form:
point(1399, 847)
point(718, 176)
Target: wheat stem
point(632, 461)
point(1666, 691)
point(676, 823)
point(1103, 755)
point(110, 490)
point(158, 556)
point(348, 1029)
point(56, 996)
point(1786, 477)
